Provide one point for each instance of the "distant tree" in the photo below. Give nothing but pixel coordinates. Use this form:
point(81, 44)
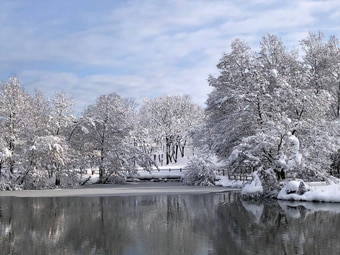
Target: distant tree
point(5, 154)
point(39, 116)
point(47, 156)
point(166, 123)
point(108, 124)
point(60, 116)
point(14, 106)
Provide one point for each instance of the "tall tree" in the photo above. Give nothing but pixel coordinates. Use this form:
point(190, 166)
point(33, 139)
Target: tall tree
point(268, 115)
point(13, 115)
point(233, 110)
point(108, 124)
point(322, 65)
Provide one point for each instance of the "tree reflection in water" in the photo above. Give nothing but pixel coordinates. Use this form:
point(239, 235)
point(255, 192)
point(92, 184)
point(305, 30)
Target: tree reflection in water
point(166, 224)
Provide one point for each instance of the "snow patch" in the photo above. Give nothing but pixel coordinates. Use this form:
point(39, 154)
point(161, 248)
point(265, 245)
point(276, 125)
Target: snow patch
point(274, 73)
point(254, 188)
point(225, 182)
point(321, 193)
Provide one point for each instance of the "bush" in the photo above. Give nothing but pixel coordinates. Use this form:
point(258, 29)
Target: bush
point(199, 172)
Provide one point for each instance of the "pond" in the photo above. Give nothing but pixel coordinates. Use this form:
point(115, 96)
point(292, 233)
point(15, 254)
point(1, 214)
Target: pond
point(218, 223)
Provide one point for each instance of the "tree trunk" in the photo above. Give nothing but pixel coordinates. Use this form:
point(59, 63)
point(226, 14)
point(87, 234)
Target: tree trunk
point(101, 171)
point(101, 164)
point(168, 149)
point(11, 160)
point(57, 180)
point(176, 153)
point(11, 166)
point(182, 148)
point(283, 175)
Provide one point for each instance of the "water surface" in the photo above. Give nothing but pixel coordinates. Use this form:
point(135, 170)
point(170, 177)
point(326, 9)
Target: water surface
point(218, 223)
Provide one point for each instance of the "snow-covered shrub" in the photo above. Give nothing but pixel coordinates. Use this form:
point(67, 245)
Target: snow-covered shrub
point(200, 172)
point(264, 184)
point(298, 187)
point(253, 189)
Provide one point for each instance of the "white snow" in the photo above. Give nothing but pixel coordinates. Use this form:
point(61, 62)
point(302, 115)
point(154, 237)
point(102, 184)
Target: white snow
point(234, 154)
point(274, 73)
point(5, 153)
point(255, 187)
point(316, 193)
point(164, 173)
point(295, 151)
point(292, 186)
point(225, 182)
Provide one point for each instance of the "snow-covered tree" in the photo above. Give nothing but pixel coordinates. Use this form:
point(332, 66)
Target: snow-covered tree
point(268, 116)
point(107, 127)
point(5, 154)
point(202, 138)
point(230, 112)
point(166, 123)
point(200, 172)
point(13, 115)
point(322, 66)
point(38, 122)
point(47, 158)
point(60, 116)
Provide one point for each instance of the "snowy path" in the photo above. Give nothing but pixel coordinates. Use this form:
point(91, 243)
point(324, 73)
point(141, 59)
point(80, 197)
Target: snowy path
point(128, 189)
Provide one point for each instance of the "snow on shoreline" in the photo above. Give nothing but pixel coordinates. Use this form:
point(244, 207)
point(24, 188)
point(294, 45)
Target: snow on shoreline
point(225, 182)
point(316, 192)
point(320, 193)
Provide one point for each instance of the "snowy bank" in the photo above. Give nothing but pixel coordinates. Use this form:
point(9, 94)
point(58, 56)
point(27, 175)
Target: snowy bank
point(225, 182)
point(294, 190)
point(254, 189)
point(320, 193)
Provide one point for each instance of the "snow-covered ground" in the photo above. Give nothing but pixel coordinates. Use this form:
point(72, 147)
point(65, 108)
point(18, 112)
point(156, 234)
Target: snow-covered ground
point(318, 192)
point(163, 173)
point(225, 182)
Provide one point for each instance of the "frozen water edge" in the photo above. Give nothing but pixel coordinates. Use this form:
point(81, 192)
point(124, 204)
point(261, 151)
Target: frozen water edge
point(127, 189)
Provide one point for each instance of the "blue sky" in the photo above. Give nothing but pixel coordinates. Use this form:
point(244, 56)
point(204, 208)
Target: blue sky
point(142, 48)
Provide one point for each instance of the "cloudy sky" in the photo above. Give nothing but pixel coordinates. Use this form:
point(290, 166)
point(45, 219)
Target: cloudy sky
point(142, 48)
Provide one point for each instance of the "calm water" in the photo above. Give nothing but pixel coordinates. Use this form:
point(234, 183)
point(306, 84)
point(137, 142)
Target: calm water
point(166, 224)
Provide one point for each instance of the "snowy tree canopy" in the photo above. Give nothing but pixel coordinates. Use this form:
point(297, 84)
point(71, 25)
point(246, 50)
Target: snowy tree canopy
point(271, 110)
point(166, 123)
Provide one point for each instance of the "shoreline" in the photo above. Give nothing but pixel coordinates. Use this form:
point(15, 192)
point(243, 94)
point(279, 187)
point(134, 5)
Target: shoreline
point(126, 189)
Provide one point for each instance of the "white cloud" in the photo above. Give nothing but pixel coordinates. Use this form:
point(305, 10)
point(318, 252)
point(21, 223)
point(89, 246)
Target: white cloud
point(144, 48)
